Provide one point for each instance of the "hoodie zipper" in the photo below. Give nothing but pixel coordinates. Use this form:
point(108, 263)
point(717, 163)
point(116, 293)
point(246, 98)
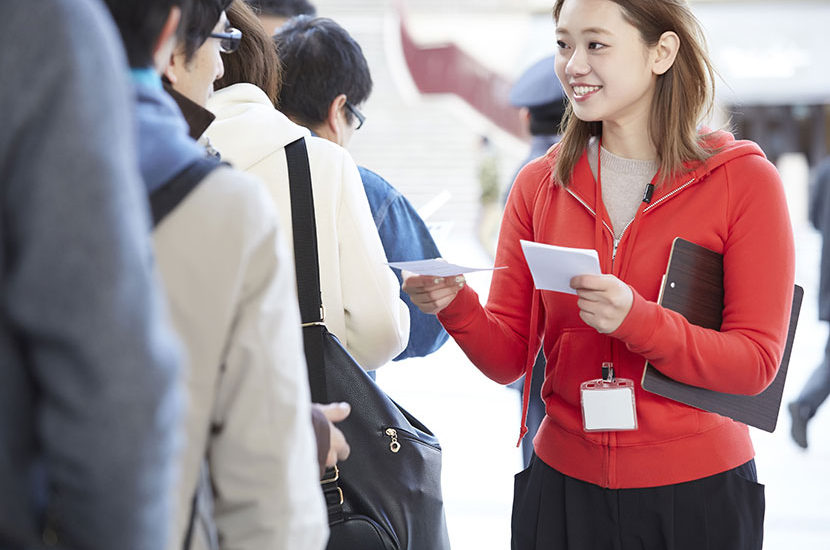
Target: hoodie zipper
point(588, 207)
point(606, 438)
point(663, 198)
point(616, 242)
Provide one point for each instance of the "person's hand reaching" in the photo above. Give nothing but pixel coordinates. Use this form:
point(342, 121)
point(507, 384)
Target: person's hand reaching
point(431, 294)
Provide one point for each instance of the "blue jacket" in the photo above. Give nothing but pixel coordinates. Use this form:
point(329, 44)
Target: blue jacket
point(89, 404)
point(405, 237)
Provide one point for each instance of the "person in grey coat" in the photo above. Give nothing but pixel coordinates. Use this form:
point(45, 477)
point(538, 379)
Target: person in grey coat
point(89, 401)
point(817, 388)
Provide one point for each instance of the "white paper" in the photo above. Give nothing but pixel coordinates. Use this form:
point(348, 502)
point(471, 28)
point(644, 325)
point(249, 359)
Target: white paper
point(437, 267)
point(553, 266)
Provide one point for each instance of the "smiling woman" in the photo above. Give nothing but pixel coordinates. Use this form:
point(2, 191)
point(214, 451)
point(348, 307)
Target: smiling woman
point(632, 173)
point(608, 73)
point(662, 81)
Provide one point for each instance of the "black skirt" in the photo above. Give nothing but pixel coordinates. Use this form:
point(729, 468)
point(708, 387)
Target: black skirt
point(552, 511)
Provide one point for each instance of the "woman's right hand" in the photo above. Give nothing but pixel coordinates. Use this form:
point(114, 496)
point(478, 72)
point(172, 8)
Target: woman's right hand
point(431, 294)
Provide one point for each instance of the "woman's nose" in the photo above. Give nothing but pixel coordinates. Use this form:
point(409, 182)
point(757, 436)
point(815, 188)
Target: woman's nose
point(578, 64)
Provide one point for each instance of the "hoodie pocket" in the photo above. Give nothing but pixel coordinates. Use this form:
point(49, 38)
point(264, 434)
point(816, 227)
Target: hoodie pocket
point(577, 357)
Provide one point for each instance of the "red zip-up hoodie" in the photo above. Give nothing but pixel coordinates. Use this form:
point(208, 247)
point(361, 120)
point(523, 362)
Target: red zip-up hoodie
point(734, 204)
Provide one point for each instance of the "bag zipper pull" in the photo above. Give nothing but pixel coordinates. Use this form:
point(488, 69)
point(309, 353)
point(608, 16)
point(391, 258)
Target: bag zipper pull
point(394, 446)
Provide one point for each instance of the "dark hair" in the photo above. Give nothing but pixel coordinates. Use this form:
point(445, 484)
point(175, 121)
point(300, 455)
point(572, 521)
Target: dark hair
point(283, 8)
point(684, 93)
point(199, 21)
point(140, 23)
point(255, 61)
point(545, 120)
point(320, 61)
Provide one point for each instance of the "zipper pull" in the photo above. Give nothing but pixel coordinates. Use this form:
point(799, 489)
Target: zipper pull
point(394, 446)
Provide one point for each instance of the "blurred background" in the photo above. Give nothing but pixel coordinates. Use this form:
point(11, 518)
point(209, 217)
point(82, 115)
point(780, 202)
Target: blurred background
point(443, 70)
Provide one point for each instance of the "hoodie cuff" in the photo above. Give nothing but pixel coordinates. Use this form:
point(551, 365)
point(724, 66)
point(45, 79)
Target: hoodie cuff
point(639, 325)
point(459, 313)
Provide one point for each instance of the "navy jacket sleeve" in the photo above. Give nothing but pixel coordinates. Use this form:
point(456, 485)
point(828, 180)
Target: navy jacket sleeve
point(819, 216)
point(405, 237)
point(89, 402)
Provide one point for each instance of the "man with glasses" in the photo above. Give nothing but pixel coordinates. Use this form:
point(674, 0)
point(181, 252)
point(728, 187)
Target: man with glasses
point(248, 476)
point(196, 63)
point(326, 79)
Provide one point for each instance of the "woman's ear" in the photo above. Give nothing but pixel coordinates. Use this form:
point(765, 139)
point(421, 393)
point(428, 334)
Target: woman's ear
point(665, 52)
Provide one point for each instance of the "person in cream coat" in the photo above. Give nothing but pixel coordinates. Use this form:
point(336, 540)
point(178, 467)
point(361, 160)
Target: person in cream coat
point(360, 292)
point(248, 476)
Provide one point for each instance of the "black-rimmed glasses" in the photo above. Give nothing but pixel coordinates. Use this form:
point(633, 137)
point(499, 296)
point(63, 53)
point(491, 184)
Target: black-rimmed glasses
point(361, 118)
point(228, 40)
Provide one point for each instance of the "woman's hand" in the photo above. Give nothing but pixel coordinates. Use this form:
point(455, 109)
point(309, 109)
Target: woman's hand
point(604, 301)
point(431, 294)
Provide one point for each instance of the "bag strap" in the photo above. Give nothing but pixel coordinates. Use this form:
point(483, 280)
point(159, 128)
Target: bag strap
point(166, 198)
point(307, 265)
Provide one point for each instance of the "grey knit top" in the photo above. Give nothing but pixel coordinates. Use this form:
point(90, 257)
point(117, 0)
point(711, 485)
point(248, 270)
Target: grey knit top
point(623, 183)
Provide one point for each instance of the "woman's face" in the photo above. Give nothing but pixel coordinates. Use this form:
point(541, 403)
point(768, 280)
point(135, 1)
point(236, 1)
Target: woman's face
point(603, 63)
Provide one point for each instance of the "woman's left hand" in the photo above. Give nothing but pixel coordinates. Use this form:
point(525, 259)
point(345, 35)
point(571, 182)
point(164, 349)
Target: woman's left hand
point(603, 301)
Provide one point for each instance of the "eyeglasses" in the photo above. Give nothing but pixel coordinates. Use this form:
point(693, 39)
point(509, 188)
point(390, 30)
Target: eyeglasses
point(361, 118)
point(228, 40)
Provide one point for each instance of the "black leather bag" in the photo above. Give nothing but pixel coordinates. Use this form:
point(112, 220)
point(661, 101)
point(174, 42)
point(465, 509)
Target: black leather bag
point(387, 494)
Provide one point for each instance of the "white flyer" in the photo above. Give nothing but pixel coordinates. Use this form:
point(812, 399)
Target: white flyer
point(437, 267)
point(553, 266)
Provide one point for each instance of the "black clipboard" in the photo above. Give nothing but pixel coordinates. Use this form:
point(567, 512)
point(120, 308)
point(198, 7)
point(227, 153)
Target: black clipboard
point(693, 287)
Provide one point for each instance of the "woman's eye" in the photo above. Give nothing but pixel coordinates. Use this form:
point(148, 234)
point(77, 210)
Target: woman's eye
point(561, 44)
point(595, 46)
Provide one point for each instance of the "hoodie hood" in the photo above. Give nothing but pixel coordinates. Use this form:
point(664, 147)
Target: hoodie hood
point(728, 148)
point(244, 106)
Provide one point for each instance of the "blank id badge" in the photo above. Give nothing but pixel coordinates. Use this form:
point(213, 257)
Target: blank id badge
point(608, 405)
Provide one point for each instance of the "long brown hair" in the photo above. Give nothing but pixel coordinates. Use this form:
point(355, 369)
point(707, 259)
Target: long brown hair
point(683, 96)
point(256, 60)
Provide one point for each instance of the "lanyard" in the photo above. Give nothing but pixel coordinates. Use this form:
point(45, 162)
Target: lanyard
point(599, 209)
